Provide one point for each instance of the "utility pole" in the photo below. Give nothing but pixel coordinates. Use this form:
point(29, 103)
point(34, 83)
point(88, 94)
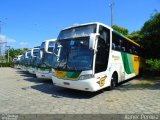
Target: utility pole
point(0, 27)
point(2, 43)
point(2, 56)
point(0, 37)
point(112, 12)
point(8, 52)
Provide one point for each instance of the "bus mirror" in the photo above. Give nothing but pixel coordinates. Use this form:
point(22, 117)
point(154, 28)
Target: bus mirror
point(92, 40)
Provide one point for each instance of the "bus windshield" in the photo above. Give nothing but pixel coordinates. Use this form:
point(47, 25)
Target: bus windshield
point(42, 45)
point(81, 31)
point(51, 46)
point(29, 55)
point(74, 55)
point(49, 59)
point(35, 52)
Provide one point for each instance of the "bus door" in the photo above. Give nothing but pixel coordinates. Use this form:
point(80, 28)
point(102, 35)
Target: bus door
point(102, 55)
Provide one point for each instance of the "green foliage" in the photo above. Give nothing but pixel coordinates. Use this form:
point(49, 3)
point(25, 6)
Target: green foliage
point(153, 65)
point(151, 37)
point(136, 36)
point(8, 64)
point(122, 30)
point(15, 52)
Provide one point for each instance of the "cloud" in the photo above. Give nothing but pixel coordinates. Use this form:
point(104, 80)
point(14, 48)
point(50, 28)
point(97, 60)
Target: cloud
point(23, 43)
point(11, 41)
point(4, 38)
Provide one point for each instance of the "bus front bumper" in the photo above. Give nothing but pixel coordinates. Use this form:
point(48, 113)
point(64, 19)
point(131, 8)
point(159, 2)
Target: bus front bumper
point(44, 75)
point(32, 70)
point(24, 68)
point(90, 85)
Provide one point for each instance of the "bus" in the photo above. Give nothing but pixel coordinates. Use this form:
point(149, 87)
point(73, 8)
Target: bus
point(21, 61)
point(44, 69)
point(32, 62)
point(16, 61)
point(93, 56)
point(25, 60)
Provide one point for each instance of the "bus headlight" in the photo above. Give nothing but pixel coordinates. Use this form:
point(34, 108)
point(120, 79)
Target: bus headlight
point(84, 77)
point(53, 72)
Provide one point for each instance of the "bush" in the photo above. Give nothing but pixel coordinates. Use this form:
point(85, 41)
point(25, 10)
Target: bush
point(153, 66)
point(8, 64)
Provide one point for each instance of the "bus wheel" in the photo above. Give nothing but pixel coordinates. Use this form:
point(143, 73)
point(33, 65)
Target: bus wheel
point(114, 81)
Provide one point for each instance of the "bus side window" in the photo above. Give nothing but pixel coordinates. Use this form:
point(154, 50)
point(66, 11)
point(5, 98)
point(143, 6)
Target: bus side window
point(126, 44)
point(118, 41)
point(123, 49)
point(122, 45)
point(118, 48)
point(104, 34)
point(113, 46)
point(130, 48)
point(133, 49)
point(130, 51)
point(137, 50)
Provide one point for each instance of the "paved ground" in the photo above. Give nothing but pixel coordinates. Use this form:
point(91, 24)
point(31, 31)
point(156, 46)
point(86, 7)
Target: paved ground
point(23, 93)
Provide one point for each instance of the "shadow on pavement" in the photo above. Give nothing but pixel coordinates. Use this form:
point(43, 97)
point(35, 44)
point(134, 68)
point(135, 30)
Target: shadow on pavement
point(141, 83)
point(59, 92)
point(37, 80)
point(46, 86)
point(32, 78)
point(21, 72)
point(25, 74)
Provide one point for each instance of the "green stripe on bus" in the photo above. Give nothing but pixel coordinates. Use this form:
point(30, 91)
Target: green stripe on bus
point(69, 74)
point(127, 63)
point(73, 74)
point(76, 74)
point(130, 63)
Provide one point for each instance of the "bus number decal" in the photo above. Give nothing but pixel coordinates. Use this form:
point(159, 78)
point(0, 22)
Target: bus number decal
point(102, 81)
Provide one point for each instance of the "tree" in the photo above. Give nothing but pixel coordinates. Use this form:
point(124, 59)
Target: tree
point(15, 52)
point(135, 36)
point(122, 30)
point(151, 37)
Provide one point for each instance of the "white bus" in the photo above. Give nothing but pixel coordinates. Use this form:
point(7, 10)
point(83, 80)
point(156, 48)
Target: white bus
point(25, 60)
point(93, 56)
point(44, 70)
point(16, 61)
point(32, 62)
point(21, 62)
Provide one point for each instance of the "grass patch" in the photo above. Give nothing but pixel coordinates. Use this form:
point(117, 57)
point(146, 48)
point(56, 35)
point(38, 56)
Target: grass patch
point(144, 82)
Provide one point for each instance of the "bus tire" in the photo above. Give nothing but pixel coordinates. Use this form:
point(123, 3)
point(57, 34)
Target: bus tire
point(114, 81)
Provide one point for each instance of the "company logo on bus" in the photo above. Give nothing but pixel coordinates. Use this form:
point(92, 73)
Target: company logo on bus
point(115, 57)
point(102, 81)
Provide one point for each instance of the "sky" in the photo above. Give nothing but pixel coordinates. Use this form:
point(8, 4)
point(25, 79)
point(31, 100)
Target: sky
point(27, 23)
